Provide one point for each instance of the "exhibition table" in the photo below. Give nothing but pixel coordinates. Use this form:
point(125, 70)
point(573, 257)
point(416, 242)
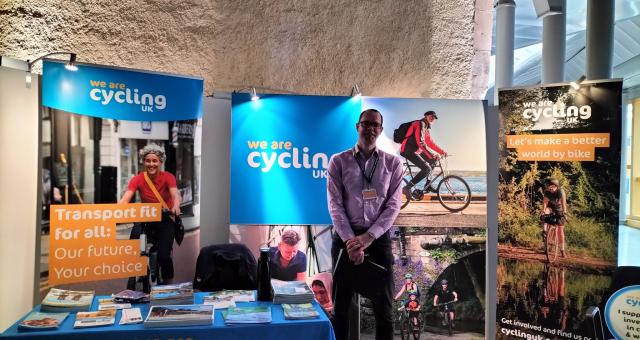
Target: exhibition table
point(319, 328)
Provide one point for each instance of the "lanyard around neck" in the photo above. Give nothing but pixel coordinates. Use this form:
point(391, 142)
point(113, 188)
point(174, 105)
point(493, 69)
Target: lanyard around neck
point(363, 170)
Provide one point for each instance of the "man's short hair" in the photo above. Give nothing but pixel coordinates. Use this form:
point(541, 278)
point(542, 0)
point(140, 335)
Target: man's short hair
point(290, 237)
point(371, 110)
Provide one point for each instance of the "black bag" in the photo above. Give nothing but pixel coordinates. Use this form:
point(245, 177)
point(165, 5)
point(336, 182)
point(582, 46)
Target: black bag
point(225, 266)
point(178, 230)
point(400, 133)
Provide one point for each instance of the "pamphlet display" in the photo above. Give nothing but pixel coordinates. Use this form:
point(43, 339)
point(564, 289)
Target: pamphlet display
point(558, 204)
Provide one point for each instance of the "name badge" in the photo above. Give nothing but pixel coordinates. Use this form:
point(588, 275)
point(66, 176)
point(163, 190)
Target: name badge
point(369, 194)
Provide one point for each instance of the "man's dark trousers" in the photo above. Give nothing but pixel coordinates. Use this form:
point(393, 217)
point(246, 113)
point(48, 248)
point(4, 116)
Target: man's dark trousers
point(380, 293)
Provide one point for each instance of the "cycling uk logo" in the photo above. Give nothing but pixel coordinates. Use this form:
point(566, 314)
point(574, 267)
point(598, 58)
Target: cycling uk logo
point(107, 92)
point(265, 155)
point(535, 110)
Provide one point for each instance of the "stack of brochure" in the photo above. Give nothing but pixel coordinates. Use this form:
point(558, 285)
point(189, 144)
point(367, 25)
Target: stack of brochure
point(42, 321)
point(228, 298)
point(61, 300)
point(94, 319)
point(257, 314)
point(291, 292)
point(176, 315)
point(130, 296)
point(299, 311)
point(178, 294)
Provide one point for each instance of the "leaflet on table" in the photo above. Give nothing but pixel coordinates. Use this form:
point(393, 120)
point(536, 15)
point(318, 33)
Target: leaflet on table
point(299, 311)
point(177, 294)
point(130, 315)
point(130, 296)
point(110, 303)
point(219, 301)
point(179, 315)
point(257, 314)
point(94, 319)
point(42, 321)
point(228, 298)
point(61, 300)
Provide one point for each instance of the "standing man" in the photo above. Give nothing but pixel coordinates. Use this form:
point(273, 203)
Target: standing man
point(420, 149)
point(363, 189)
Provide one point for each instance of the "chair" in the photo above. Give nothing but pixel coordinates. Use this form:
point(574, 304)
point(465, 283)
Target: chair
point(225, 266)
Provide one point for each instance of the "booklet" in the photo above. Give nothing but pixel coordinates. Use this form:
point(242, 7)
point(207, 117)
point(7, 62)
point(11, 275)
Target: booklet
point(241, 295)
point(39, 320)
point(291, 292)
point(299, 311)
point(257, 314)
point(179, 315)
point(177, 294)
point(109, 303)
point(62, 300)
point(130, 315)
point(219, 301)
point(94, 319)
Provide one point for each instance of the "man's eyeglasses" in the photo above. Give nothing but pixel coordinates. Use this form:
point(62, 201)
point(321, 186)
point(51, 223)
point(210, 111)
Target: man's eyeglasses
point(368, 123)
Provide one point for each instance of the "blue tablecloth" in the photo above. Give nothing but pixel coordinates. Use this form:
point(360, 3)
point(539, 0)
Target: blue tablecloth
point(278, 329)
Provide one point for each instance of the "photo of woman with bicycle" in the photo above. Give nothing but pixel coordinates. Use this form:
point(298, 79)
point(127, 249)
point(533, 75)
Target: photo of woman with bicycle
point(554, 210)
point(156, 186)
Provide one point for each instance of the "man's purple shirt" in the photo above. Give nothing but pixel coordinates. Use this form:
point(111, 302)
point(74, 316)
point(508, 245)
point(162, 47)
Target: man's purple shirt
point(345, 183)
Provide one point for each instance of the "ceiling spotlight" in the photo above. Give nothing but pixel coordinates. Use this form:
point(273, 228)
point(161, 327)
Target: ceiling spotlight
point(576, 84)
point(27, 79)
point(254, 95)
point(355, 91)
point(71, 65)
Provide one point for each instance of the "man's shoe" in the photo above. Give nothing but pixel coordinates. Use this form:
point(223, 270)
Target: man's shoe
point(562, 253)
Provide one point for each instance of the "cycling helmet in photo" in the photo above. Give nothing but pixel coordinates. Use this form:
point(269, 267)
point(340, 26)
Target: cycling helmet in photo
point(408, 276)
point(551, 180)
point(444, 282)
point(153, 149)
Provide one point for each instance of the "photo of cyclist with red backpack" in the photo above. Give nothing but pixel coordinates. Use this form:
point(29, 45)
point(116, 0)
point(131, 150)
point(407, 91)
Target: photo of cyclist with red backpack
point(419, 148)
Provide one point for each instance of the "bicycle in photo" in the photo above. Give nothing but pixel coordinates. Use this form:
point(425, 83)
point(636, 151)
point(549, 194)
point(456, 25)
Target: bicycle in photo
point(149, 249)
point(408, 328)
point(453, 191)
point(445, 316)
point(550, 236)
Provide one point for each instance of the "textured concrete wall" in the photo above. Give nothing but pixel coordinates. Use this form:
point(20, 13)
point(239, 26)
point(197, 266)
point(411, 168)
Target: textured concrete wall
point(409, 48)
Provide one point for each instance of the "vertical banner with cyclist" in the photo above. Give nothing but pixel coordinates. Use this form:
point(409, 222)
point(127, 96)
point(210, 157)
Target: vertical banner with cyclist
point(440, 234)
point(105, 131)
point(558, 191)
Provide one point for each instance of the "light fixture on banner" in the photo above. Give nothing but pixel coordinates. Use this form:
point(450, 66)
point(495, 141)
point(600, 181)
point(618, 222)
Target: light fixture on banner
point(71, 64)
point(576, 84)
point(254, 95)
point(355, 91)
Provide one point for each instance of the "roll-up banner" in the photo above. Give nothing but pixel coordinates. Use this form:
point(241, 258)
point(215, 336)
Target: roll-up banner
point(279, 152)
point(96, 119)
point(559, 166)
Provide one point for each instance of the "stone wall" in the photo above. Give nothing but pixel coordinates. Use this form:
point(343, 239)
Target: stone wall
point(409, 48)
